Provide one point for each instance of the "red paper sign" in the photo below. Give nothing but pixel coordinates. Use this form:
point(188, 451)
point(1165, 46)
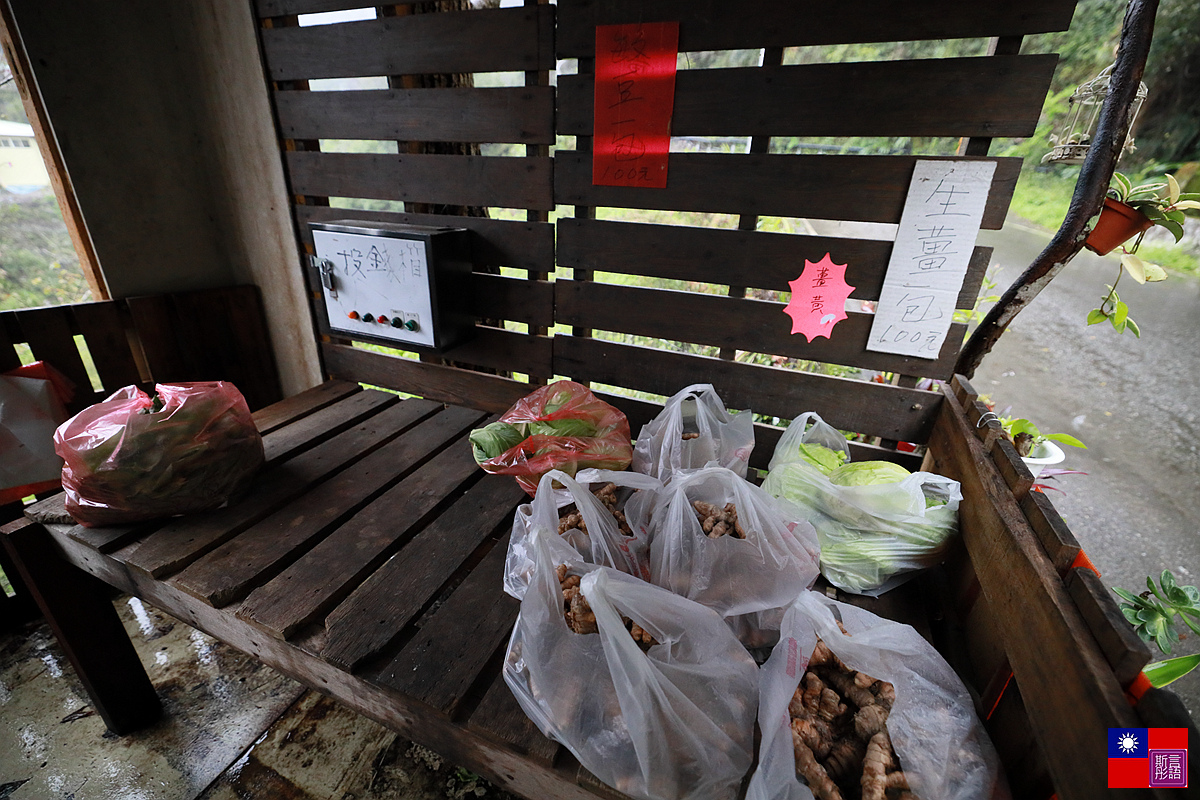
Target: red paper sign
point(635, 96)
point(818, 298)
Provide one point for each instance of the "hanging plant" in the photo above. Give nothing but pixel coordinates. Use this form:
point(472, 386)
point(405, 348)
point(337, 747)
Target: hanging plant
point(1130, 211)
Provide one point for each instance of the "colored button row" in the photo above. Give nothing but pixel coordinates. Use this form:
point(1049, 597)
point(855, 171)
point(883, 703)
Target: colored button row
point(395, 322)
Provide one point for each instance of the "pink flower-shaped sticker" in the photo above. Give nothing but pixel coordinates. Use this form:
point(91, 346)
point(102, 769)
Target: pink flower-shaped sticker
point(818, 299)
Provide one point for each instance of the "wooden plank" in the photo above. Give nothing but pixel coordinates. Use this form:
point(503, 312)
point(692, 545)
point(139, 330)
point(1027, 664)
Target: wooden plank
point(504, 350)
point(488, 40)
point(112, 537)
point(996, 96)
point(451, 385)
point(754, 325)
point(457, 639)
point(500, 716)
point(871, 408)
point(1126, 653)
point(379, 610)
point(721, 25)
point(311, 430)
point(1061, 546)
point(515, 299)
point(1012, 469)
point(48, 332)
point(259, 553)
point(870, 188)
point(1070, 691)
point(755, 259)
point(454, 180)
point(108, 344)
point(496, 242)
point(300, 405)
point(333, 568)
point(508, 114)
point(180, 543)
point(208, 335)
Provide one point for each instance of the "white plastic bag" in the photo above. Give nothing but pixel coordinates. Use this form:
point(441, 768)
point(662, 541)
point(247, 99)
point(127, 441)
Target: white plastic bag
point(714, 435)
point(748, 580)
point(604, 543)
point(942, 746)
point(673, 723)
point(872, 537)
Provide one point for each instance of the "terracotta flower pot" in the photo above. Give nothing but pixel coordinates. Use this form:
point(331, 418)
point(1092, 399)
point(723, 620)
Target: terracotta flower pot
point(1118, 223)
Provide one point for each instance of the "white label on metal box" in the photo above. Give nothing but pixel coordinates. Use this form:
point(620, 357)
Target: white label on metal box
point(377, 286)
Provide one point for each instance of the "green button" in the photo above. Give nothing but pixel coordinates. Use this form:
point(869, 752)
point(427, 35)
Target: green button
point(411, 324)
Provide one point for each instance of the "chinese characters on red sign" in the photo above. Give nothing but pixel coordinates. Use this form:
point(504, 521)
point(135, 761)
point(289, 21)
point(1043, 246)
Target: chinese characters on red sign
point(635, 96)
point(818, 299)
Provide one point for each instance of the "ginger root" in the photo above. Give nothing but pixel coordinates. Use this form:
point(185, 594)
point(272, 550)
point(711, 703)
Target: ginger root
point(717, 522)
point(569, 517)
point(580, 617)
point(839, 731)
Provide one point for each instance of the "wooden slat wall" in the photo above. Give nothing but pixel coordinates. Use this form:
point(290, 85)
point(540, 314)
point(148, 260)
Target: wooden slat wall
point(721, 25)
point(216, 334)
point(435, 130)
point(970, 99)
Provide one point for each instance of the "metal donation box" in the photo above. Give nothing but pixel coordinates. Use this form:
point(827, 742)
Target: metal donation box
point(405, 286)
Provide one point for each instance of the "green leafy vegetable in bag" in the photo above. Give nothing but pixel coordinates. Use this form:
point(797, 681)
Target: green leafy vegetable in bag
point(822, 457)
point(868, 473)
point(492, 440)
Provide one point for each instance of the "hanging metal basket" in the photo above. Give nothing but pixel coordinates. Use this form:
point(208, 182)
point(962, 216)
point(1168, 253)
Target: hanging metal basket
point(1072, 141)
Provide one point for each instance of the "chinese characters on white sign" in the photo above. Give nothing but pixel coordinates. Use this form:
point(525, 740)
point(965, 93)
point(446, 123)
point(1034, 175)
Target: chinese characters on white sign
point(929, 260)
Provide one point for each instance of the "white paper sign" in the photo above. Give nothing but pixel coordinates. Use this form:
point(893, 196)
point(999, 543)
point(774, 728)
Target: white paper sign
point(929, 260)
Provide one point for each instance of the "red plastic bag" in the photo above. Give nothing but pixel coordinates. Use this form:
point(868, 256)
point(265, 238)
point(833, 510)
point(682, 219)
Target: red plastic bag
point(561, 426)
point(133, 457)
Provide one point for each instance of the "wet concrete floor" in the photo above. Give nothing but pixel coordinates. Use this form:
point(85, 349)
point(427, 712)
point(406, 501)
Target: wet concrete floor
point(232, 729)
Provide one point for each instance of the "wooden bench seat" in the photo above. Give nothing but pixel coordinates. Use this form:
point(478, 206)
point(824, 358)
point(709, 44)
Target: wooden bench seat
point(365, 561)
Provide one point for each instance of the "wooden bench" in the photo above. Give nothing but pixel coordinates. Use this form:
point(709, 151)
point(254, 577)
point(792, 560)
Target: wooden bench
point(366, 560)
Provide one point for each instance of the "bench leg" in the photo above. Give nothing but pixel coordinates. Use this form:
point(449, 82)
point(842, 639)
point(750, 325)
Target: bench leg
point(88, 630)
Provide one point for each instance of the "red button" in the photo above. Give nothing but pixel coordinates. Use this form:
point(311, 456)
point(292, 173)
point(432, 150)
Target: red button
point(382, 320)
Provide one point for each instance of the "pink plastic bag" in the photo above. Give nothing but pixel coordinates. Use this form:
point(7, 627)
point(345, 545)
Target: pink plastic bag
point(562, 426)
point(133, 457)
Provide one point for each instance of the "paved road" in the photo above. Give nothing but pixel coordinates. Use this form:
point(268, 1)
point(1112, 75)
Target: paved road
point(1132, 401)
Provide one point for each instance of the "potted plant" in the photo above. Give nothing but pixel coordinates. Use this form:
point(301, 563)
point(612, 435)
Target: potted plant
point(1152, 614)
point(1133, 210)
point(1038, 450)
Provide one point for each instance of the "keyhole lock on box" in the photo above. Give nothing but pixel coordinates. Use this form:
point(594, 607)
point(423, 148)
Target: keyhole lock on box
point(405, 286)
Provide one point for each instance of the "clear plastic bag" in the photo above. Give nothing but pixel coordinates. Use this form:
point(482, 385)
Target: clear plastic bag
point(872, 537)
point(692, 431)
point(561, 426)
point(31, 408)
point(941, 743)
point(673, 723)
point(133, 457)
point(603, 543)
point(748, 580)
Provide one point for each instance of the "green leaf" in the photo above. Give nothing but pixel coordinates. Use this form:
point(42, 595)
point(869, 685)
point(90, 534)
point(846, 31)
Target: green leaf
point(1176, 215)
point(1174, 227)
point(1133, 326)
point(1186, 204)
point(1172, 189)
point(1096, 316)
point(1123, 186)
point(1126, 595)
point(1154, 272)
point(1119, 327)
point(1190, 196)
point(1160, 673)
point(1066, 438)
point(1135, 267)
